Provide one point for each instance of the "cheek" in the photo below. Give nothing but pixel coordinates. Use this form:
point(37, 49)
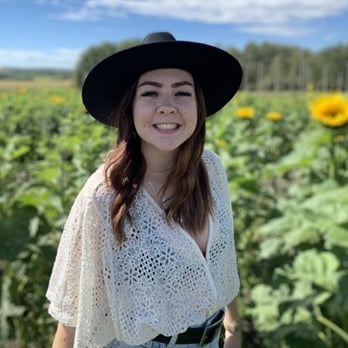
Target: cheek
point(193, 118)
point(138, 115)
point(139, 124)
point(140, 110)
point(194, 125)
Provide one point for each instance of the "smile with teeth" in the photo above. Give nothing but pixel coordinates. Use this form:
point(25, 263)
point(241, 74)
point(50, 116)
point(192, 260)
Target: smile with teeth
point(166, 126)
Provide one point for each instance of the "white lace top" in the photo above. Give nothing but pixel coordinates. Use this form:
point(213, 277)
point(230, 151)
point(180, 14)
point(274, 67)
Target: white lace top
point(158, 281)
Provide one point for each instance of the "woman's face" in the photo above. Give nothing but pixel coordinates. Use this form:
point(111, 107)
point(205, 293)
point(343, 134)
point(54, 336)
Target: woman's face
point(164, 109)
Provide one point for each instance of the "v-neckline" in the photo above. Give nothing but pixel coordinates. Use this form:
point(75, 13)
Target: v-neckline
point(205, 253)
point(153, 201)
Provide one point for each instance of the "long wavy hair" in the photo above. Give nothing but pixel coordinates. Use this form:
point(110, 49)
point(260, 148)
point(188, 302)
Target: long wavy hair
point(125, 170)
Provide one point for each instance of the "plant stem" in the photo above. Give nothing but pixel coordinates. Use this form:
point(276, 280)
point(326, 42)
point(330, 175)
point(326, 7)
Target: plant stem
point(328, 323)
point(333, 167)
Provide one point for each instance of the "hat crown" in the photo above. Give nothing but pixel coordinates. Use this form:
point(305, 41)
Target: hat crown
point(158, 37)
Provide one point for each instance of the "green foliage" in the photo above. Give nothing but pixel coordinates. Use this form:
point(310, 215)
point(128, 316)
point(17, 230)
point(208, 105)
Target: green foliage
point(289, 184)
point(48, 147)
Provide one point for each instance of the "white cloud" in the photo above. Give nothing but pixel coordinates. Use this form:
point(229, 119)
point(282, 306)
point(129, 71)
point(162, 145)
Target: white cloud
point(59, 58)
point(279, 17)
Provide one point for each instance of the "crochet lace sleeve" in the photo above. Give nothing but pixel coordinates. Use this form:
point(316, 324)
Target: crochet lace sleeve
point(218, 173)
point(230, 283)
point(65, 278)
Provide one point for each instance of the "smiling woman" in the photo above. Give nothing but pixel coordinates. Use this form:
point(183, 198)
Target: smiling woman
point(147, 255)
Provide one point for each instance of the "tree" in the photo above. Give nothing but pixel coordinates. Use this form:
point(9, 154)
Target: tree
point(96, 54)
point(333, 64)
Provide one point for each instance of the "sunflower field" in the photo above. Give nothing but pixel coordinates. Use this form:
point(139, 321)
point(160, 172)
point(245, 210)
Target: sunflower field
point(286, 156)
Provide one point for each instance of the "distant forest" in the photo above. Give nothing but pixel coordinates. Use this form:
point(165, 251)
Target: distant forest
point(268, 66)
point(279, 68)
point(31, 74)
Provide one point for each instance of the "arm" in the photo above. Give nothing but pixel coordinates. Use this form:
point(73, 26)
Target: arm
point(233, 335)
point(64, 337)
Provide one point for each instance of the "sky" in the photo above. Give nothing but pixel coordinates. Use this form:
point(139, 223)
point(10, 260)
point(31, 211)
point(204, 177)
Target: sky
point(54, 33)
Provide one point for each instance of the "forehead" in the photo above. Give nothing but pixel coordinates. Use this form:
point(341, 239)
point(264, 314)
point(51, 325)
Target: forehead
point(168, 74)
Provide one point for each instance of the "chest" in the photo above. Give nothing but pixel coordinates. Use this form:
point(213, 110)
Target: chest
point(202, 238)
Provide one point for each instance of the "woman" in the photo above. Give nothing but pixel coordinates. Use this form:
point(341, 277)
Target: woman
point(147, 256)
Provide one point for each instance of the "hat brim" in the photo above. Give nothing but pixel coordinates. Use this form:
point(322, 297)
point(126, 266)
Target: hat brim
point(218, 73)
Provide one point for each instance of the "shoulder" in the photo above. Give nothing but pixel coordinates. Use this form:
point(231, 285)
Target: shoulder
point(212, 160)
point(216, 169)
point(95, 187)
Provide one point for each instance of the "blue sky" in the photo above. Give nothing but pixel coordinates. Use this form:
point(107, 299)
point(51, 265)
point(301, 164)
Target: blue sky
point(53, 33)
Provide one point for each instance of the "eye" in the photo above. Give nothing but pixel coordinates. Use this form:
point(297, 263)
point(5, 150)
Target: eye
point(149, 94)
point(183, 94)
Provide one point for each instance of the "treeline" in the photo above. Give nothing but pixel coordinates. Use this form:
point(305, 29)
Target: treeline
point(268, 66)
point(31, 74)
point(278, 68)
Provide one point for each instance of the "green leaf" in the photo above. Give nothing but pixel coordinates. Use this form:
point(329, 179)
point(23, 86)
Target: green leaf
point(15, 231)
point(316, 267)
point(330, 202)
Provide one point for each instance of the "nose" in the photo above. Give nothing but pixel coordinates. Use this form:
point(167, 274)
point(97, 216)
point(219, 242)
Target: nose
point(166, 109)
point(166, 106)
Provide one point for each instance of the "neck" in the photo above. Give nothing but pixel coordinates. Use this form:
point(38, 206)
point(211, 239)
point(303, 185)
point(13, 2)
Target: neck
point(156, 175)
point(154, 181)
point(158, 165)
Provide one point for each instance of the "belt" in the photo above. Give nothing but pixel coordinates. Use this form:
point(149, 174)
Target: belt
point(196, 335)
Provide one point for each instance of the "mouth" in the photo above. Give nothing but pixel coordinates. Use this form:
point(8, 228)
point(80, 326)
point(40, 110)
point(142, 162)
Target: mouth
point(166, 126)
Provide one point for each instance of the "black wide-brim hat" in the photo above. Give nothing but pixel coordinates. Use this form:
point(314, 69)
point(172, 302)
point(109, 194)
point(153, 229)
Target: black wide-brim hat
point(218, 72)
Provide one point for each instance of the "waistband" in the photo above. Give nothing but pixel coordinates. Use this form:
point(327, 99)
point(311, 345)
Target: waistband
point(197, 335)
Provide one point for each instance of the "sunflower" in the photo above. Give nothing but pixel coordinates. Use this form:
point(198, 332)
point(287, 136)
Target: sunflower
point(274, 116)
point(245, 112)
point(330, 110)
point(23, 90)
point(56, 99)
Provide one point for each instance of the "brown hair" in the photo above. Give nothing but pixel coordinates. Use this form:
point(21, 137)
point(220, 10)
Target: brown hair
point(126, 166)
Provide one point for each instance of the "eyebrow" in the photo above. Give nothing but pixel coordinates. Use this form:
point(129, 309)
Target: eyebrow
point(158, 84)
